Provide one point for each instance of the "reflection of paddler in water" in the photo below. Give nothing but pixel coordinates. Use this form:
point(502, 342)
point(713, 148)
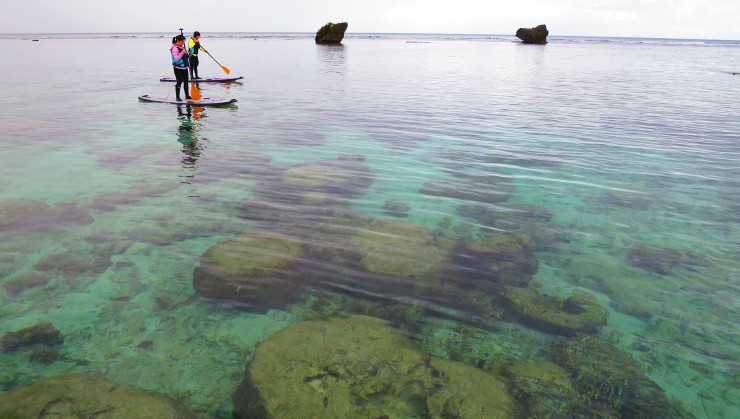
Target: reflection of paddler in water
point(187, 134)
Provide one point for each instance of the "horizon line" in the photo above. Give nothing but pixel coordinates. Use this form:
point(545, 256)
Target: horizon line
point(370, 33)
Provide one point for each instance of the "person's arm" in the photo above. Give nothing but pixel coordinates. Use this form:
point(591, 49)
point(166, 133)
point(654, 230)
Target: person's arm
point(178, 53)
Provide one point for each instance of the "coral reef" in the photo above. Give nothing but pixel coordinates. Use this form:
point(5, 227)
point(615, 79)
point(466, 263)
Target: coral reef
point(360, 367)
point(87, 396)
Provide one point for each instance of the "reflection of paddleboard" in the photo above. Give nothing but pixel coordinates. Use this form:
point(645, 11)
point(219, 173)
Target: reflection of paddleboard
point(206, 101)
point(206, 80)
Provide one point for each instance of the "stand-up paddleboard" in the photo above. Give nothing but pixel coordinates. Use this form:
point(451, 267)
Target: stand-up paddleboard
point(206, 101)
point(206, 80)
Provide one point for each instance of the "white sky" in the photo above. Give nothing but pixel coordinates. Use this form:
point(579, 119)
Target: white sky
point(712, 19)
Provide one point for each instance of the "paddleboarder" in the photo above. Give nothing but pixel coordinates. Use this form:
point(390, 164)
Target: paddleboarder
point(180, 65)
point(193, 49)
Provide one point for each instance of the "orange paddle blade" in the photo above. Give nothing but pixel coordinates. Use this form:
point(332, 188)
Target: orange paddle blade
point(226, 70)
point(194, 92)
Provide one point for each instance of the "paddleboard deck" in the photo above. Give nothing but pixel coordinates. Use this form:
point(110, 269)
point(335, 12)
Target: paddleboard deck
point(206, 80)
point(206, 101)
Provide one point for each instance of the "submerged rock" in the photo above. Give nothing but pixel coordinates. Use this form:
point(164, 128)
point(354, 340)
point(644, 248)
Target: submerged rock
point(25, 282)
point(536, 35)
point(331, 33)
point(497, 259)
point(45, 355)
point(259, 270)
point(25, 214)
point(70, 264)
point(39, 334)
point(360, 367)
point(396, 208)
point(662, 260)
point(341, 177)
point(627, 199)
point(468, 190)
point(603, 373)
point(402, 249)
point(109, 201)
point(580, 313)
point(87, 396)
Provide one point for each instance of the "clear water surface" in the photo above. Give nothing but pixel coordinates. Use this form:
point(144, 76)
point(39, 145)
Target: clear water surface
point(614, 162)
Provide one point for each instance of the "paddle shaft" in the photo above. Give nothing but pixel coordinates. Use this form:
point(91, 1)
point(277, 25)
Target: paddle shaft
point(209, 54)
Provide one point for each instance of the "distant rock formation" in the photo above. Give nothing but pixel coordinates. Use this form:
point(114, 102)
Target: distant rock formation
point(331, 33)
point(536, 35)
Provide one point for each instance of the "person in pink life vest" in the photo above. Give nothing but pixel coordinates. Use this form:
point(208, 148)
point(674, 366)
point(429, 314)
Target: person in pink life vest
point(180, 65)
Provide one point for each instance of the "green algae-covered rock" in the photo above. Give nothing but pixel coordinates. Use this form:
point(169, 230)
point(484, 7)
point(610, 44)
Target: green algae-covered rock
point(259, 270)
point(401, 249)
point(500, 258)
point(345, 177)
point(580, 313)
point(603, 373)
point(360, 367)
point(468, 392)
point(84, 396)
point(546, 391)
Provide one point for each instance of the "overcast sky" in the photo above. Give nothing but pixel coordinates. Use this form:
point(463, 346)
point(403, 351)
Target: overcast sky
point(713, 19)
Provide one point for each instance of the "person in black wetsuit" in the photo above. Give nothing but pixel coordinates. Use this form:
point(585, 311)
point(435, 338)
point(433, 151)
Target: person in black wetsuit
point(193, 48)
point(180, 65)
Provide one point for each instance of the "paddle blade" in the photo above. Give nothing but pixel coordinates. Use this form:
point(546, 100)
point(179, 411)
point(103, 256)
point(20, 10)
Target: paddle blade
point(226, 70)
point(194, 92)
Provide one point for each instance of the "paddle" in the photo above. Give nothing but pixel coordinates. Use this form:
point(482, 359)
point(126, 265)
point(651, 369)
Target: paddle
point(225, 69)
point(194, 92)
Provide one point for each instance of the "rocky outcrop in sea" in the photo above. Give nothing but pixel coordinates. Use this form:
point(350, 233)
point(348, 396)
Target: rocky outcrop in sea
point(331, 33)
point(537, 35)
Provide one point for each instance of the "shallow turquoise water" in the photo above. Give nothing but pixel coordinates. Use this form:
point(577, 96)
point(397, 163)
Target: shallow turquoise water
point(595, 149)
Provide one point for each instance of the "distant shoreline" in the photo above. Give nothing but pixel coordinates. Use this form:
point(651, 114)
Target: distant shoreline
point(86, 35)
